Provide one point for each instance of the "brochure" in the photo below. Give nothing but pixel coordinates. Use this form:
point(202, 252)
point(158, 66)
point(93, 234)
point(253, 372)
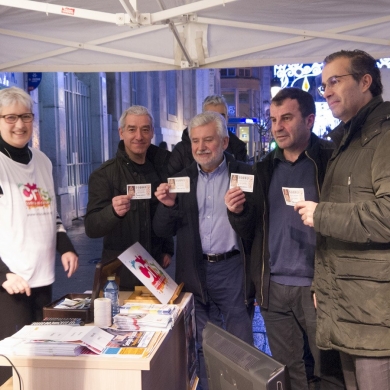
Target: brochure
point(133, 344)
point(149, 272)
point(149, 308)
point(92, 337)
point(143, 322)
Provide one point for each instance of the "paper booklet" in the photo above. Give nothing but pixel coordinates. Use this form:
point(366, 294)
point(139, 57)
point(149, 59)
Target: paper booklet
point(60, 339)
point(149, 272)
point(143, 322)
point(131, 344)
point(150, 308)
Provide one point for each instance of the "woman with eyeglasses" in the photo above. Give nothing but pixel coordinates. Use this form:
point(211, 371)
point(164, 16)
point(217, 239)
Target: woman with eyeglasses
point(30, 229)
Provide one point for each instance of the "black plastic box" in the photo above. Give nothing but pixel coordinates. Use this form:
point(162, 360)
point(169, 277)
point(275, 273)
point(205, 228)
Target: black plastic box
point(102, 271)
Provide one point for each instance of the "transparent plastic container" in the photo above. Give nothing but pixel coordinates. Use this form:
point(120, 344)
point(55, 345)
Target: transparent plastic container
point(111, 291)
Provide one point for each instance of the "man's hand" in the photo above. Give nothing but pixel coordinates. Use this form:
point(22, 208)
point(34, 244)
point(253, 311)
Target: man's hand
point(164, 196)
point(235, 199)
point(166, 260)
point(121, 204)
point(306, 210)
point(15, 284)
point(70, 262)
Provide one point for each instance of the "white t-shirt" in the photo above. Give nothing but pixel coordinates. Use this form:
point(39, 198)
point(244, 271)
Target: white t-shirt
point(28, 218)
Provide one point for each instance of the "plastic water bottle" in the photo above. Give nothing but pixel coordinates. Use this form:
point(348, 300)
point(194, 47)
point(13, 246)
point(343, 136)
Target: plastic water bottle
point(111, 291)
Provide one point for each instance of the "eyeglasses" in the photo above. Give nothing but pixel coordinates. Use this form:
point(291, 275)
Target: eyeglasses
point(12, 118)
point(331, 83)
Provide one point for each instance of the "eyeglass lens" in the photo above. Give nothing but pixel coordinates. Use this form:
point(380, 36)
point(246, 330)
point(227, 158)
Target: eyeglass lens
point(26, 118)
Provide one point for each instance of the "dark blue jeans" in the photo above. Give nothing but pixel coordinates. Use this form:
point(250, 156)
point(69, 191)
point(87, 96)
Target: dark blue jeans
point(225, 307)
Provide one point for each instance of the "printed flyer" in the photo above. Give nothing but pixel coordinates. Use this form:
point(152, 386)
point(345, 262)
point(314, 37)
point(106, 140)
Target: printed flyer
point(149, 272)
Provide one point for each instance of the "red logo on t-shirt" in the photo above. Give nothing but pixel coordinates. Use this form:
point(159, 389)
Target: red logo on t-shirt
point(35, 196)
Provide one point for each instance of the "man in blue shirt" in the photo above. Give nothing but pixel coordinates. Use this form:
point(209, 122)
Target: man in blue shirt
point(283, 249)
point(210, 258)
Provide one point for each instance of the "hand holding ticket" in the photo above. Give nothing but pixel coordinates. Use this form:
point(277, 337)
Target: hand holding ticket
point(306, 210)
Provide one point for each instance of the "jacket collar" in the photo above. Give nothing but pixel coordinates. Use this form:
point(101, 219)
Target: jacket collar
point(154, 154)
point(370, 114)
point(312, 149)
point(231, 162)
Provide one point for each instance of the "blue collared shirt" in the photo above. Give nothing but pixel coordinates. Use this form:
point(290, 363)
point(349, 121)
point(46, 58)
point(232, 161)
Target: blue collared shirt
point(216, 233)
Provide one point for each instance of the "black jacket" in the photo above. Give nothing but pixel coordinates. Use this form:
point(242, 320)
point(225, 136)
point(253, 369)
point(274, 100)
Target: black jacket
point(182, 154)
point(110, 180)
point(183, 220)
point(253, 222)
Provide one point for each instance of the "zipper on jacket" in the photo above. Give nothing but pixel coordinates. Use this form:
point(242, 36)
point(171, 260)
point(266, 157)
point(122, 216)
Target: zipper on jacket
point(349, 188)
point(245, 278)
point(263, 255)
point(315, 165)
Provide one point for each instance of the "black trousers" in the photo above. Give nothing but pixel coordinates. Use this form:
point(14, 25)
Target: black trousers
point(18, 310)
point(291, 316)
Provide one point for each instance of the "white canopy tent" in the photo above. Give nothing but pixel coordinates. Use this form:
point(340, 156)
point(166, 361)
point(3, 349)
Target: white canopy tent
point(131, 35)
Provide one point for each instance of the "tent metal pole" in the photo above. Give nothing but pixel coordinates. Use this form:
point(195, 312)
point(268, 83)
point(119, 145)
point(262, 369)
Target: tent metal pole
point(173, 28)
point(130, 11)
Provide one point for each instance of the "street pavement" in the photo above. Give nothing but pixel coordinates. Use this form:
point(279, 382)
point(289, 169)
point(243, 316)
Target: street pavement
point(89, 251)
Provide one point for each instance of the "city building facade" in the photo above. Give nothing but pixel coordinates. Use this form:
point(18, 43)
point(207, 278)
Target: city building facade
point(77, 116)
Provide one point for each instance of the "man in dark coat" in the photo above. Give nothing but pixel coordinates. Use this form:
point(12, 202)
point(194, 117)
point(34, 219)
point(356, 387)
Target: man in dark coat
point(211, 261)
point(282, 254)
point(352, 219)
point(111, 212)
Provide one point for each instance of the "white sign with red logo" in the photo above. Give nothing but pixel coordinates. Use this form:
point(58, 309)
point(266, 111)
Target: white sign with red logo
point(68, 11)
point(149, 272)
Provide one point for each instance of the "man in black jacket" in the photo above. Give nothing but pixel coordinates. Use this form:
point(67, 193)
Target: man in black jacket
point(211, 260)
point(111, 213)
point(181, 154)
point(283, 250)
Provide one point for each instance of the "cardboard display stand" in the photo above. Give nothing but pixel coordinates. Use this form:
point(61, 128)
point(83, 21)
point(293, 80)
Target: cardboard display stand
point(142, 294)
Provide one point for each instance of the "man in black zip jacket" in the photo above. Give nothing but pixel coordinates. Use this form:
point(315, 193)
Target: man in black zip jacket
point(283, 249)
point(211, 260)
point(111, 211)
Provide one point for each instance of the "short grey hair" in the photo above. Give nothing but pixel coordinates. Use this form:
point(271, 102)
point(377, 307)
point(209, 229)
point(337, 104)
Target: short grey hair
point(13, 95)
point(209, 117)
point(214, 100)
point(135, 110)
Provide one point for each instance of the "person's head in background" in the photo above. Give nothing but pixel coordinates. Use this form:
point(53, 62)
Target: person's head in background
point(163, 145)
point(16, 117)
point(216, 103)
